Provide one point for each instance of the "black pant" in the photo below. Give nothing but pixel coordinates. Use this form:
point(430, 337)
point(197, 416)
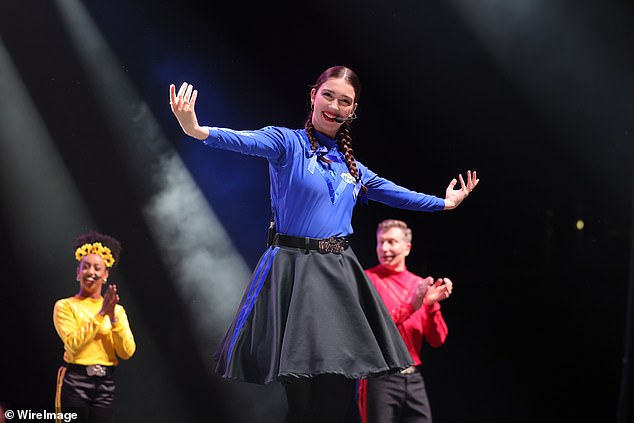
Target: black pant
point(320, 399)
point(91, 397)
point(398, 399)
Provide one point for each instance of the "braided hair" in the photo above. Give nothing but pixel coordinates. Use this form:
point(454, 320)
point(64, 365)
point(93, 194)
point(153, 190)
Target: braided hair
point(344, 139)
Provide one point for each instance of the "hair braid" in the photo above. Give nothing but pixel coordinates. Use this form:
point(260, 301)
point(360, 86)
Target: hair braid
point(345, 145)
point(310, 133)
point(344, 141)
point(308, 126)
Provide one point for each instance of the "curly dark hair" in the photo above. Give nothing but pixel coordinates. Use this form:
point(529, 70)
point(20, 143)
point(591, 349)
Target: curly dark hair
point(106, 240)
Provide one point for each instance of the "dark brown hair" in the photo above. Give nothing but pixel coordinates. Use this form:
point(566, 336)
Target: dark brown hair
point(344, 139)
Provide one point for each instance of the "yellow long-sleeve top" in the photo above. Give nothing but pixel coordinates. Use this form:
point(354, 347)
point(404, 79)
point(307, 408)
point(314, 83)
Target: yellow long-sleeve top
point(90, 338)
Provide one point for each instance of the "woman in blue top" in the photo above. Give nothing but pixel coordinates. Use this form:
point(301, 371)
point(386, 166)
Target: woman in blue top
point(310, 318)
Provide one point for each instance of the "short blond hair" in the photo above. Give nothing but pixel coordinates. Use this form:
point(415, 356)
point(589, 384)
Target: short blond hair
point(388, 224)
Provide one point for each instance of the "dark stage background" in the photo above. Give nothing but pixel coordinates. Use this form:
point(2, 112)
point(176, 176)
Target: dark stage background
point(536, 96)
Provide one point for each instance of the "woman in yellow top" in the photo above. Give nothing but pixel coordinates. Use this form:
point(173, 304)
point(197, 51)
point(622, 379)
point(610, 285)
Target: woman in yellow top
point(95, 332)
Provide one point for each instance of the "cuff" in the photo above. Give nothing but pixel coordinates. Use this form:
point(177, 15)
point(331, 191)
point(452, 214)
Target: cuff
point(213, 135)
point(431, 308)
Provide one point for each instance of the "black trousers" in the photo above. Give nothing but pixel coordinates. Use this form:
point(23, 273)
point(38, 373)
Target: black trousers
point(398, 399)
point(91, 397)
point(320, 399)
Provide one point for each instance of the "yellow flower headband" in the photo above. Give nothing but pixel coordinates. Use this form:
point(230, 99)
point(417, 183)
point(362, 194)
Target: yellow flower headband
point(95, 248)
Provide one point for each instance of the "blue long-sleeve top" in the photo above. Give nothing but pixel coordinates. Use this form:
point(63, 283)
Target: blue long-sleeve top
point(309, 197)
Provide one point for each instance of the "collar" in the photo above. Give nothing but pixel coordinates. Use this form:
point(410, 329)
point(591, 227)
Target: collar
point(324, 140)
point(387, 271)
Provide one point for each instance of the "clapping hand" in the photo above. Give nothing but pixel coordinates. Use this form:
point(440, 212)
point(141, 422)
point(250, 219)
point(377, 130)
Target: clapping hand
point(439, 290)
point(419, 291)
point(110, 299)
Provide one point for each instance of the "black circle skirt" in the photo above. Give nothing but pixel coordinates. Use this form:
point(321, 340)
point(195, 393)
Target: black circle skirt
point(307, 313)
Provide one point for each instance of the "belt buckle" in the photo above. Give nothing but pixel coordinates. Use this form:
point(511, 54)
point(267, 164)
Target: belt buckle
point(333, 245)
point(96, 370)
point(410, 370)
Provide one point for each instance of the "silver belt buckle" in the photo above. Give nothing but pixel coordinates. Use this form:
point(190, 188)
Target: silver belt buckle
point(96, 370)
point(333, 245)
point(410, 370)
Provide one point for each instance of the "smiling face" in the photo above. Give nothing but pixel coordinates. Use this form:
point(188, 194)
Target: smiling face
point(334, 98)
point(392, 248)
point(91, 273)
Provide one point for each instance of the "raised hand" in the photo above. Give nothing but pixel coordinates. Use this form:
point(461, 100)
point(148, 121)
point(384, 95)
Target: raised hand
point(453, 197)
point(110, 299)
point(439, 290)
point(183, 106)
point(418, 292)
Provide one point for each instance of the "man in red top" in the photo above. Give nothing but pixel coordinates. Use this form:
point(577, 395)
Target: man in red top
point(413, 303)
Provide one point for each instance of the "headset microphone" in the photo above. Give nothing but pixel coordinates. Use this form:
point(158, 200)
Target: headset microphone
point(340, 119)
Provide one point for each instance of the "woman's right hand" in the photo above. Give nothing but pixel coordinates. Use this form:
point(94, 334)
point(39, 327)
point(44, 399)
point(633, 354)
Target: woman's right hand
point(182, 105)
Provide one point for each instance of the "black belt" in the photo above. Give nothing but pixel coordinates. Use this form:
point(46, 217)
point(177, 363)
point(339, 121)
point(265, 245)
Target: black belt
point(334, 244)
point(92, 370)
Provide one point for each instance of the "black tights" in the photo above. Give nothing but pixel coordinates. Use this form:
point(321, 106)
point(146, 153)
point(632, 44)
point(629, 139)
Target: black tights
point(320, 399)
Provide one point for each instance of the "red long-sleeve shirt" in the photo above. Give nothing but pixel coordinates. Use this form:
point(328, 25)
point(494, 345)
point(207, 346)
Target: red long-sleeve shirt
point(415, 326)
point(426, 323)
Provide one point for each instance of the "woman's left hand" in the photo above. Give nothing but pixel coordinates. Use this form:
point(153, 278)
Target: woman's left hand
point(453, 197)
point(110, 300)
